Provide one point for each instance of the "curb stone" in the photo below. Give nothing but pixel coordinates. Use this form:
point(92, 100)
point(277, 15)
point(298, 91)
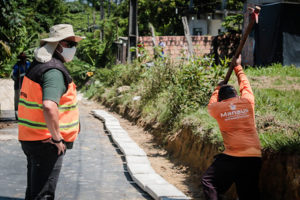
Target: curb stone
point(137, 162)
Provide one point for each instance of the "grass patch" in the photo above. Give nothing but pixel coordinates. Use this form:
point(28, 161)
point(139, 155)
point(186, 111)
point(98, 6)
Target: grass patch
point(175, 96)
point(274, 70)
point(285, 105)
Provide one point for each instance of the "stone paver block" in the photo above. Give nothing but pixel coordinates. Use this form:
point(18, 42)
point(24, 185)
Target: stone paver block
point(131, 149)
point(119, 128)
point(110, 119)
point(137, 160)
point(113, 123)
point(133, 152)
point(143, 180)
point(163, 191)
point(99, 112)
point(112, 126)
point(120, 133)
point(140, 169)
point(138, 164)
point(104, 116)
point(116, 133)
point(122, 139)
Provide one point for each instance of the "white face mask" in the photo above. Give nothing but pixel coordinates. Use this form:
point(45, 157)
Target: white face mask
point(68, 53)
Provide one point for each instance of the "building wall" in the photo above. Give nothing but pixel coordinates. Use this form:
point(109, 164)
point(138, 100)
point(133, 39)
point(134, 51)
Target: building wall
point(176, 46)
point(214, 26)
point(207, 26)
point(195, 24)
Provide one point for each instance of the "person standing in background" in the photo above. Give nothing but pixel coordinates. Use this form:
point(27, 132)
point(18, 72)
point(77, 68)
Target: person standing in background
point(162, 45)
point(19, 71)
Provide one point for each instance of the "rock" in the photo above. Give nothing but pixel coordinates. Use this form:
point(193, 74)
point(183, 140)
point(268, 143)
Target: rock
point(123, 89)
point(136, 98)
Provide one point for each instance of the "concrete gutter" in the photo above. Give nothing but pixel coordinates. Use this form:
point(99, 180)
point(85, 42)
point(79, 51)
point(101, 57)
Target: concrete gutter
point(137, 162)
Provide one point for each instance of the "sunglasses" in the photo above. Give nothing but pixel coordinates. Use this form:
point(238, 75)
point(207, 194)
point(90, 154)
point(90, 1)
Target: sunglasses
point(68, 44)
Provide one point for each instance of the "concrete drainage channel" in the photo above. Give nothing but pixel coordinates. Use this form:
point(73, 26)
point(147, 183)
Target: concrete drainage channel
point(137, 162)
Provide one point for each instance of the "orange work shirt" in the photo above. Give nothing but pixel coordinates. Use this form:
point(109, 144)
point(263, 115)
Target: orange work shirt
point(236, 119)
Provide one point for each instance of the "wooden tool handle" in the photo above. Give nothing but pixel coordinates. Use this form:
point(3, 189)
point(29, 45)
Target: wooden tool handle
point(254, 15)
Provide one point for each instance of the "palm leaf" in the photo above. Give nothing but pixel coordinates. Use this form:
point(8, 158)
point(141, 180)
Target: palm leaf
point(6, 48)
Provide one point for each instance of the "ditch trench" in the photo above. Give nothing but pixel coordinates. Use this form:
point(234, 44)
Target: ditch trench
point(280, 173)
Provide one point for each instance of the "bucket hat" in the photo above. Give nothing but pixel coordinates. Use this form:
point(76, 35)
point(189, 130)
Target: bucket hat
point(48, 45)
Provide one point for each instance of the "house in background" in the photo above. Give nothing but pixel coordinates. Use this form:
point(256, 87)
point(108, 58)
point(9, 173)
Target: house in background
point(276, 38)
point(208, 23)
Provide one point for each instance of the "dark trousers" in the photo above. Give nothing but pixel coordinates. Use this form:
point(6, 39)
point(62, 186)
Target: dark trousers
point(226, 170)
point(43, 168)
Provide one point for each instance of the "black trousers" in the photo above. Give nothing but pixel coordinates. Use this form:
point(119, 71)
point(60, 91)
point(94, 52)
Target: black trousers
point(226, 170)
point(43, 168)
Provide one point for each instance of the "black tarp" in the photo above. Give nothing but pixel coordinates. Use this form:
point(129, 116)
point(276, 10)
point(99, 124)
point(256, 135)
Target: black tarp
point(277, 34)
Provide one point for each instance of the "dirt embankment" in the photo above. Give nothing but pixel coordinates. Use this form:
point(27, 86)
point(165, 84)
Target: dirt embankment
point(280, 174)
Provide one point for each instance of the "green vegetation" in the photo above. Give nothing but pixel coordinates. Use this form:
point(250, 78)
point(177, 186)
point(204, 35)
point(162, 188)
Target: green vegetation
point(21, 23)
point(277, 94)
point(24, 22)
point(174, 96)
point(171, 95)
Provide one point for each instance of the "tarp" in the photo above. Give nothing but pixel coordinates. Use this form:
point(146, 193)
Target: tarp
point(291, 49)
point(277, 34)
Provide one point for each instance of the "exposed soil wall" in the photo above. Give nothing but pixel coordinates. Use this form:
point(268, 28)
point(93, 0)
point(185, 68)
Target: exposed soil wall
point(280, 174)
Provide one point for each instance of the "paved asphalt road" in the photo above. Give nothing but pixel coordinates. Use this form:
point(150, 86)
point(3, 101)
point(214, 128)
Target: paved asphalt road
point(92, 170)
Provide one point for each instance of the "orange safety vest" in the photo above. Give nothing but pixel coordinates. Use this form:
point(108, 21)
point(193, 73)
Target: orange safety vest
point(32, 125)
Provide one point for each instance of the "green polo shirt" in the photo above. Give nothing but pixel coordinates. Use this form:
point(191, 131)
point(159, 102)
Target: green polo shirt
point(53, 85)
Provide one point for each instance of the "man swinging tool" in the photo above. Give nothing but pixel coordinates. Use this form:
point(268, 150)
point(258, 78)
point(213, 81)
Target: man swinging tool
point(240, 163)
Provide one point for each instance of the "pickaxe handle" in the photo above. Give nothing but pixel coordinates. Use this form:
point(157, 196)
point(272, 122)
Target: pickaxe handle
point(254, 18)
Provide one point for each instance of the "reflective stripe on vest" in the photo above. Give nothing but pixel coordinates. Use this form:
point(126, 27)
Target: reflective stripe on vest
point(32, 125)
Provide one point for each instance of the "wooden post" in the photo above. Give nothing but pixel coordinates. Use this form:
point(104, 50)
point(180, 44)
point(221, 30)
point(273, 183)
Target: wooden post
point(188, 36)
point(132, 35)
point(153, 38)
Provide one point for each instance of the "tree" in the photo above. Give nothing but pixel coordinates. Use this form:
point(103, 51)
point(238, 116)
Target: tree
point(165, 15)
point(21, 21)
point(162, 14)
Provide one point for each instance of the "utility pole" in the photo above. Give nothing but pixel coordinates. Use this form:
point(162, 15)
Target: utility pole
point(132, 35)
point(101, 19)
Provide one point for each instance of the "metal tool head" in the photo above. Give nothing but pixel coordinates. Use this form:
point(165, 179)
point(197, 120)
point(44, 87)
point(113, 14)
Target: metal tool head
point(255, 12)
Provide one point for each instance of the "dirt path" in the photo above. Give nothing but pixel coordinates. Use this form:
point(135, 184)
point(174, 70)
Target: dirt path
point(162, 163)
